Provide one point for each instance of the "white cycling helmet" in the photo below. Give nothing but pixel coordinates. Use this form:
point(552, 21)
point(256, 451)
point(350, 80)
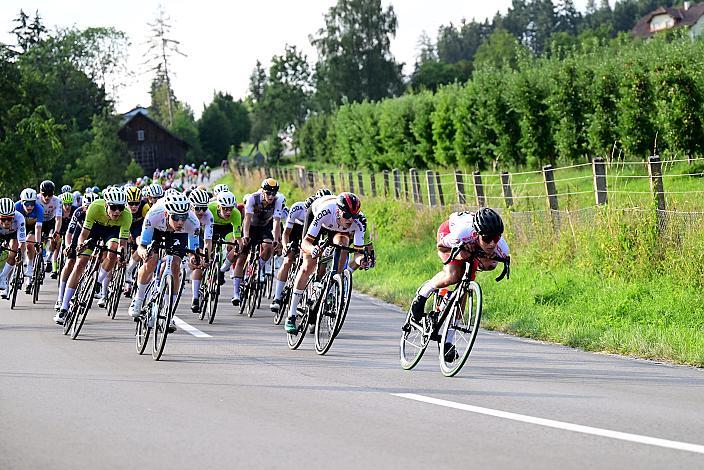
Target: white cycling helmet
point(171, 192)
point(66, 188)
point(7, 207)
point(219, 188)
point(88, 198)
point(155, 190)
point(28, 194)
point(226, 199)
point(177, 203)
point(115, 195)
point(145, 191)
point(199, 198)
point(461, 227)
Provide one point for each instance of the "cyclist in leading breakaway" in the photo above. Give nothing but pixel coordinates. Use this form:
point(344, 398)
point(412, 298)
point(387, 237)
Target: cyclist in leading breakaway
point(340, 217)
point(291, 240)
point(33, 217)
point(477, 233)
point(13, 233)
point(173, 223)
point(51, 225)
point(106, 219)
point(262, 216)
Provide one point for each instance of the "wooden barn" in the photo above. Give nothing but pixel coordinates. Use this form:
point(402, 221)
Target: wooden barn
point(152, 145)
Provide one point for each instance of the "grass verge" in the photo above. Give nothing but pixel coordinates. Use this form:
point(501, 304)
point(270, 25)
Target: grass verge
point(616, 285)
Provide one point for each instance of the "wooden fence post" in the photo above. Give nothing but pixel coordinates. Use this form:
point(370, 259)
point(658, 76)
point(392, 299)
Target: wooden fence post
point(459, 184)
point(441, 195)
point(311, 180)
point(324, 177)
point(406, 193)
point(387, 193)
point(550, 189)
point(599, 169)
point(415, 186)
point(479, 189)
point(397, 183)
point(350, 179)
point(342, 181)
point(506, 186)
point(430, 185)
point(372, 180)
point(332, 183)
point(360, 183)
point(656, 186)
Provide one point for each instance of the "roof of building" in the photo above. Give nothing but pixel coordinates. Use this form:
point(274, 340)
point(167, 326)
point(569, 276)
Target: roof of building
point(140, 111)
point(681, 16)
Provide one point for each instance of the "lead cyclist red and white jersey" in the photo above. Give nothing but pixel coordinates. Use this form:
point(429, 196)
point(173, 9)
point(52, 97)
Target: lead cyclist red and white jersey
point(459, 230)
point(262, 215)
point(325, 216)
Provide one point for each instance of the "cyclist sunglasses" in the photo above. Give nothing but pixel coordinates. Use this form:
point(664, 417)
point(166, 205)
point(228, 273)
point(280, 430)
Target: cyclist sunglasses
point(47, 194)
point(8, 218)
point(200, 209)
point(270, 193)
point(134, 204)
point(488, 239)
point(116, 207)
point(179, 217)
point(29, 203)
point(349, 215)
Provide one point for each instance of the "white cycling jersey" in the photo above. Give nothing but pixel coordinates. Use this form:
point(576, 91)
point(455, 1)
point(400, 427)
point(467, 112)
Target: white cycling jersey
point(18, 227)
point(325, 216)
point(156, 219)
point(297, 214)
point(50, 208)
point(462, 232)
point(206, 224)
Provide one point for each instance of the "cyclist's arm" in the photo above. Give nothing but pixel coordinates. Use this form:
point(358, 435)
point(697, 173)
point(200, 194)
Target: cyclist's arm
point(284, 237)
point(246, 224)
point(277, 229)
point(59, 220)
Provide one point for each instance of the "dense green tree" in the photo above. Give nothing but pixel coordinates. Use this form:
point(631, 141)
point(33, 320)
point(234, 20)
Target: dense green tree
point(215, 133)
point(355, 61)
point(500, 48)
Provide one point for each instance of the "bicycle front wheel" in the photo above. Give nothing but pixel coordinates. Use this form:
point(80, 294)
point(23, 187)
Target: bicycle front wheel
point(115, 291)
point(37, 277)
point(15, 283)
point(328, 315)
point(85, 300)
point(460, 329)
point(163, 316)
point(346, 295)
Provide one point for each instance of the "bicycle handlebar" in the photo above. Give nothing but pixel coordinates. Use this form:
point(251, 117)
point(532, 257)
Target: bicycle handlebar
point(505, 273)
point(173, 250)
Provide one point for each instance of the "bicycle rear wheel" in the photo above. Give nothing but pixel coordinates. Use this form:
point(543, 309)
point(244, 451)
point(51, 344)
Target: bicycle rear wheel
point(163, 318)
point(142, 328)
point(460, 330)
point(285, 304)
point(302, 318)
point(415, 338)
point(180, 287)
point(37, 276)
point(213, 297)
point(115, 291)
point(15, 283)
point(328, 316)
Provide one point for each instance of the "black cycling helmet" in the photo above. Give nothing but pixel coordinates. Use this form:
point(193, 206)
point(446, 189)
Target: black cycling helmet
point(487, 222)
point(349, 203)
point(270, 184)
point(47, 188)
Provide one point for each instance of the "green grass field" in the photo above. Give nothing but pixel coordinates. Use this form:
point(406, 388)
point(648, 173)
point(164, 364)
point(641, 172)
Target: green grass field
point(615, 285)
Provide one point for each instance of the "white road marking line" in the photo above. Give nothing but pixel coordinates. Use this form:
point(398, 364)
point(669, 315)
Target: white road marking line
point(624, 436)
point(190, 329)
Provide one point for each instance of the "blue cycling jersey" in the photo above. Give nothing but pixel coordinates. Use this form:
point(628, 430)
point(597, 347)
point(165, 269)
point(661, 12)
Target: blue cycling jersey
point(30, 218)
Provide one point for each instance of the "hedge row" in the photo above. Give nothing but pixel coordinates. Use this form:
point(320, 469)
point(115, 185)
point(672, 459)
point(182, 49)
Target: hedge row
point(628, 99)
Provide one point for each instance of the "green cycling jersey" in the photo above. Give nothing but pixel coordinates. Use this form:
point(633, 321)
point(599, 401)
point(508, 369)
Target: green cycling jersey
point(98, 215)
point(235, 219)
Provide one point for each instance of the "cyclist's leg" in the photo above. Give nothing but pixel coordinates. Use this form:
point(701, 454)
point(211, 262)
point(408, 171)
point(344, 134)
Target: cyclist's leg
point(106, 268)
point(344, 240)
point(66, 273)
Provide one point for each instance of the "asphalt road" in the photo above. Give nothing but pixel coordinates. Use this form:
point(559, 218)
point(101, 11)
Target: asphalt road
point(241, 399)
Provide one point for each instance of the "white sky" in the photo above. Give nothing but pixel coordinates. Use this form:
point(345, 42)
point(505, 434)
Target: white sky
point(223, 40)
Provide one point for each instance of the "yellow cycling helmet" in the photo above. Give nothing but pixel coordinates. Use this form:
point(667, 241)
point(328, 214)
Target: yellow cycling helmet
point(270, 184)
point(134, 194)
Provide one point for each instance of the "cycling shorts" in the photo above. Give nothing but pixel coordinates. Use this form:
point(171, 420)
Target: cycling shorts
point(47, 227)
point(258, 233)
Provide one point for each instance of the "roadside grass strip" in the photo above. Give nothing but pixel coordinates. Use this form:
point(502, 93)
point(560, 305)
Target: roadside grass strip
point(623, 436)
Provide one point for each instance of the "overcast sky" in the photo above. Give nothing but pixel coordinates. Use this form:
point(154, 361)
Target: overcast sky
point(223, 40)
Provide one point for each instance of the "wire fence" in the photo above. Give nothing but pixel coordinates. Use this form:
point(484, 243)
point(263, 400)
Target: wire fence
point(669, 189)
